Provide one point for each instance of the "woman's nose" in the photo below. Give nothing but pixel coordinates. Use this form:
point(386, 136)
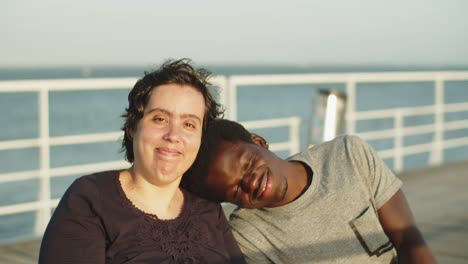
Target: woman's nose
point(172, 133)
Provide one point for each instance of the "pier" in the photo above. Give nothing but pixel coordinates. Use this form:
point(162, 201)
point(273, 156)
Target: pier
point(438, 197)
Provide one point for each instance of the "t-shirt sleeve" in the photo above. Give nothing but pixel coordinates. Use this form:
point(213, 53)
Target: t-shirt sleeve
point(382, 182)
point(75, 233)
point(244, 233)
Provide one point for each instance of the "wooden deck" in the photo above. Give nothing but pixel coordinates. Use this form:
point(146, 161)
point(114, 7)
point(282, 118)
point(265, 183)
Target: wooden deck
point(438, 197)
point(20, 253)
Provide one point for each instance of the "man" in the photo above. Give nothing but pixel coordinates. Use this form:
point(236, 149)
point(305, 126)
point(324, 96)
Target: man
point(334, 203)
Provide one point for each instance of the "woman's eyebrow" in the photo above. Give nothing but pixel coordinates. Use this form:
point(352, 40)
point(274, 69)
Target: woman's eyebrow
point(192, 116)
point(169, 113)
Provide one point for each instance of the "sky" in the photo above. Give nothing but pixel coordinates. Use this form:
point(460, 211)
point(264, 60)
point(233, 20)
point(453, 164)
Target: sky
point(300, 32)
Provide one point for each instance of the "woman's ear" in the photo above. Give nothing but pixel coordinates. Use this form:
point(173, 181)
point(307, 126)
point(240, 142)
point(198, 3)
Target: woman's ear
point(259, 140)
point(130, 133)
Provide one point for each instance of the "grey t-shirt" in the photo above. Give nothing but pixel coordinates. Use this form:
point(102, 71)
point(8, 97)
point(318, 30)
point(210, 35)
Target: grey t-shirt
point(334, 221)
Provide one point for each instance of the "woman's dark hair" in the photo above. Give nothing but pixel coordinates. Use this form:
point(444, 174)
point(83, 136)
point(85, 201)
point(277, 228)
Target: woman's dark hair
point(217, 132)
point(171, 72)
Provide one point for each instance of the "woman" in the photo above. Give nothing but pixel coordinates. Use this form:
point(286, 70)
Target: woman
point(141, 215)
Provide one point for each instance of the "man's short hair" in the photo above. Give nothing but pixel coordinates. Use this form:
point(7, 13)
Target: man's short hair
point(217, 132)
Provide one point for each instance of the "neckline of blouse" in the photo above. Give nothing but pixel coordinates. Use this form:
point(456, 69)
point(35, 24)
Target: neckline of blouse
point(128, 203)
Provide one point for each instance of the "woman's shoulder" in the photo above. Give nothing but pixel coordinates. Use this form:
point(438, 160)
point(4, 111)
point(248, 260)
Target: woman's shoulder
point(95, 182)
point(198, 203)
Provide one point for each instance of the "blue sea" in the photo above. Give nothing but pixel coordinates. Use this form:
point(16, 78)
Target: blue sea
point(83, 112)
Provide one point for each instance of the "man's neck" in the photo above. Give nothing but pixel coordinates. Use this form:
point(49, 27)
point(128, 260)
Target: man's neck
point(299, 178)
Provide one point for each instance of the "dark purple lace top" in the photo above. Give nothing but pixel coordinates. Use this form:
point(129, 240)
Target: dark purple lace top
point(96, 223)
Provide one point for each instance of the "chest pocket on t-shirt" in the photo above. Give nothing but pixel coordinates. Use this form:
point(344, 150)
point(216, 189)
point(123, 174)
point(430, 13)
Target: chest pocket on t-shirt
point(369, 232)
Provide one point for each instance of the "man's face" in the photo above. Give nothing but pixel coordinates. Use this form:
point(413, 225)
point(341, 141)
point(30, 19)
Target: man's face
point(246, 174)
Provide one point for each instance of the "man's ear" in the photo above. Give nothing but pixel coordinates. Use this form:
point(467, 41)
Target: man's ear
point(259, 140)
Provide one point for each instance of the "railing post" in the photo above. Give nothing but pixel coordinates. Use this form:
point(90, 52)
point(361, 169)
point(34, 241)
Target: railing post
point(350, 106)
point(43, 211)
point(436, 157)
point(294, 135)
point(231, 107)
point(398, 154)
point(222, 84)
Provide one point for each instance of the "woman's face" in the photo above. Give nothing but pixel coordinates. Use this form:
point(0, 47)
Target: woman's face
point(167, 138)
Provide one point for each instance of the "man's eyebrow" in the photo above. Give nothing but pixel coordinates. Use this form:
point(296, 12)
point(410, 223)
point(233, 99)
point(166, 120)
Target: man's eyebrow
point(183, 115)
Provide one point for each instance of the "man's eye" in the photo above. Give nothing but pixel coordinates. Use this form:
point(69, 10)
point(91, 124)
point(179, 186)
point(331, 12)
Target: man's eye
point(236, 193)
point(250, 165)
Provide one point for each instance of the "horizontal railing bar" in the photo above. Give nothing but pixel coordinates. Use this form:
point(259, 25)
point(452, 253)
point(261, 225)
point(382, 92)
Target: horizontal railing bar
point(413, 130)
point(453, 125)
point(456, 107)
point(67, 84)
point(27, 207)
point(20, 208)
point(410, 76)
point(76, 84)
point(426, 147)
point(19, 144)
point(65, 170)
point(417, 148)
point(363, 77)
point(279, 79)
point(388, 113)
point(388, 153)
point(456, 142)
point(408, 150)
point(258, 124)
point(19, 176)
point(88, 168)
point(279, 146)
point(62, 140)
point(409, 111)
point(390, 133)
point(83, 139)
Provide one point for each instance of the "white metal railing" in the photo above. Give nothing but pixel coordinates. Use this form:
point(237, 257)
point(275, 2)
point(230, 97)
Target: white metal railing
point(399, 131)
point(44, 202)
point(44, 142)
point(293, 123)
point(228, 97)
point(439, 109)
point(398, 114)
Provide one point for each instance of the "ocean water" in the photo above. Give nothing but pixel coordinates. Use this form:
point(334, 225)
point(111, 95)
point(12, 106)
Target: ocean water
point(82, 112)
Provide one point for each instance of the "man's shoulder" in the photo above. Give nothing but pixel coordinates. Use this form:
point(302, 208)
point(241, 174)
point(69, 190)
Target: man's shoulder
point(338, 146)
point(249, 218)
point(241, 214)
point(343, 141)
point(248, 222)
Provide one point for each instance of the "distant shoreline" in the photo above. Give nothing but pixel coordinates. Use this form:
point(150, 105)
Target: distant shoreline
point(60, 72)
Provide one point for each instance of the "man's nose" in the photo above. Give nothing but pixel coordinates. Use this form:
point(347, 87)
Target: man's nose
point(247, 182)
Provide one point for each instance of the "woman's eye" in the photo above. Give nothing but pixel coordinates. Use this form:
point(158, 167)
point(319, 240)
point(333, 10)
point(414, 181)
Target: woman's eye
point(159, 119)
point(191, 125)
